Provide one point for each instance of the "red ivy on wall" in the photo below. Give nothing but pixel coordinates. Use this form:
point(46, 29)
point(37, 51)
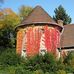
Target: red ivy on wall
point(33, 36)
point(19, 42)
point(52, 39)
point(33, 41)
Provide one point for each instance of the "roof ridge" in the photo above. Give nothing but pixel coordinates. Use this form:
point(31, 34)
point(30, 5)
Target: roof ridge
point(38, 7)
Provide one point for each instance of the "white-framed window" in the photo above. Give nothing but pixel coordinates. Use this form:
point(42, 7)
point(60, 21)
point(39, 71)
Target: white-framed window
point(23, 54)
point(43, 51)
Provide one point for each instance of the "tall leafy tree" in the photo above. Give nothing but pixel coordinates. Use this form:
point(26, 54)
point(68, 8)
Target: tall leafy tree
point(60, 14)
point(8, 21)
point(24, 11)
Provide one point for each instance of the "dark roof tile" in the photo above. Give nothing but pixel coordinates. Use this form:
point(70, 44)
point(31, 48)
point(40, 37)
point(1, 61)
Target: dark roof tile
point(38, 15)
point(67, 38)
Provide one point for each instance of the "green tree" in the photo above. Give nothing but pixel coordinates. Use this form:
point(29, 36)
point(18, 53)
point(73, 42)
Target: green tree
point(60, 14)
point(38, 72)
point(9, 58)
point(24, 11)
point(69, 61)
point(7, 24)
point(61, 72)
point(47, 63)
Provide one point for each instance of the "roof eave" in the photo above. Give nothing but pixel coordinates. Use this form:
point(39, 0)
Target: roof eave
point(38, 23)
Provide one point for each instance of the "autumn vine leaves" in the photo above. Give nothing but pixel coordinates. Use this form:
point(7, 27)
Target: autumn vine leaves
point(33, 38)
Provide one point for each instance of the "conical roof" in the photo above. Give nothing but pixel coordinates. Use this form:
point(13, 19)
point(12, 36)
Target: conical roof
point(38, 15)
